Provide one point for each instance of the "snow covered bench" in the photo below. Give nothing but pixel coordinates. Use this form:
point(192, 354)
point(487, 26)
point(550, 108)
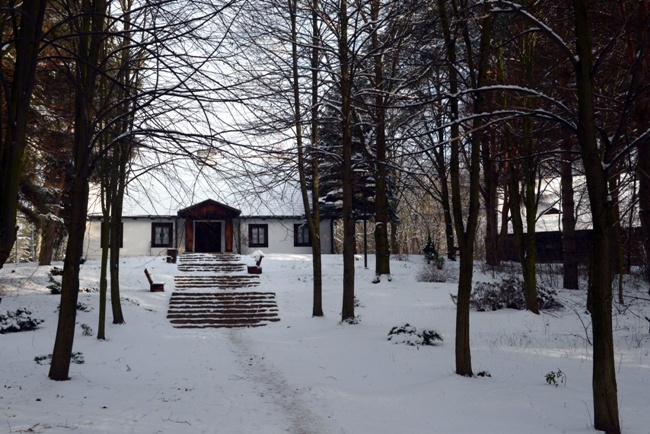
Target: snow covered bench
point(257, 268)
point(154, 286)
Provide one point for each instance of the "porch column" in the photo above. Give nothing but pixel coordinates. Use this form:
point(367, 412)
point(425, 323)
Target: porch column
point(189, 235)
point(229, 234)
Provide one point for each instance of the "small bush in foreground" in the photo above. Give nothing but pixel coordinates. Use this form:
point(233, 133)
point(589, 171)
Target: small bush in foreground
point(18, 321)
point(509, 294)
point(77, 358)
point(555, 378)
point(87, 330)
point(409, 335)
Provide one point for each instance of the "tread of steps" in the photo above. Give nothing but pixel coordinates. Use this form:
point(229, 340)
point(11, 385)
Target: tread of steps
point(216, 281)
point(217, 310)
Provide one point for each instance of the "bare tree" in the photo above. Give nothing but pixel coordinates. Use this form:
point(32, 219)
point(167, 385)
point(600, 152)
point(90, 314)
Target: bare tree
point(21, 29)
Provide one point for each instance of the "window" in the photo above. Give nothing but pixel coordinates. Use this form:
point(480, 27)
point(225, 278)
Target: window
point(301, 235)
point(258, 235)
point(103, 242)
point(162, 234)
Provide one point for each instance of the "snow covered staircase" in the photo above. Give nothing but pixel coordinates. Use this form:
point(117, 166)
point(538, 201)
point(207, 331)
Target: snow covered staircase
point(200, 301)
point(222, 309)
point(216, 281)
point(211, 262)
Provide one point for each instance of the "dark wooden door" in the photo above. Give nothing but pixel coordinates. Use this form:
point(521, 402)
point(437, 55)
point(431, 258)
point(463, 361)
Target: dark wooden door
point(207, 237)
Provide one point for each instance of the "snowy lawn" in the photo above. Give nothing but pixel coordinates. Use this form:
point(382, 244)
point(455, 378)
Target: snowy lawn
point(313, 375)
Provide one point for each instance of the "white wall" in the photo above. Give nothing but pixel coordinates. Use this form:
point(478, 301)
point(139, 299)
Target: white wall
point(136, 237)
point(281, 236)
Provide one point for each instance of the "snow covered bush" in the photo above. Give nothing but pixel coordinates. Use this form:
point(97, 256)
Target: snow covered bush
point(409, 335)
point(18, 321)
point(431, 273)
point(76, 358)
point(87, 330)
point(509, 294)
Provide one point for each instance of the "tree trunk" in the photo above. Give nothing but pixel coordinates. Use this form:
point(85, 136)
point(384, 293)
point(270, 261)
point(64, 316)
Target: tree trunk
point(122, 151)
point(382, 248)
point(60, 367)
point(17, 103)
point(316, 248)
point(103, 279)
point(441, 168)
point(347, 310)
point(49, 237)
point(605, 396)
point(312, 213)
point(530, 178)
point(91, 32)
point(569, 257)
point(465, 232)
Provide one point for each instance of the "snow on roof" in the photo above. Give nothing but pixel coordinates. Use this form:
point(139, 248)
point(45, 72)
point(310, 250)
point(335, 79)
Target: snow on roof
point(148, 197)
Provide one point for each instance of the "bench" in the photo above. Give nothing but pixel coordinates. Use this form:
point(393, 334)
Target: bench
point(257, 268)
point(154, 287)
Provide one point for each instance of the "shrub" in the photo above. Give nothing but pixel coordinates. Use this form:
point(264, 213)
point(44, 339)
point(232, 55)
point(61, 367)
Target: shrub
point(87, 330)
point(76, 358)
point(555, 378)
point(509, 294)
point(409, 335)
point(18, 321)
point(431, 273)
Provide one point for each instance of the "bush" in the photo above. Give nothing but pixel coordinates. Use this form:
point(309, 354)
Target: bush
point(555, 378)
point(19, 321)
point(76, 358)
point(509, 294)
point(430, 273)
point(87, 330)
point(409, 335)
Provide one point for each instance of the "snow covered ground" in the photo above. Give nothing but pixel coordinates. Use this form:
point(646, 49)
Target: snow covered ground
point(313, 375)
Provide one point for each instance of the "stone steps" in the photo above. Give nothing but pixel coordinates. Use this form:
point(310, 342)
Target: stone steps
point(212, 268)
point(230, 281)
point(222, 309)
point(210, 258)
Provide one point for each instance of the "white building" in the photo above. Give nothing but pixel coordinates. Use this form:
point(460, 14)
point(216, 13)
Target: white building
point(209, 226)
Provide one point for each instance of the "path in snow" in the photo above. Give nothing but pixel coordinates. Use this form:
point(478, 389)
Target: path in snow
point(257, 370)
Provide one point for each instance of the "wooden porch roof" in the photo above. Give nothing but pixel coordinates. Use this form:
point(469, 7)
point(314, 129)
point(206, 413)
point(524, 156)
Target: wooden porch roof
point(208, 209)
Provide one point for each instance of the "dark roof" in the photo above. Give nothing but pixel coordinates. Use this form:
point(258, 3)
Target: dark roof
point(208, 207)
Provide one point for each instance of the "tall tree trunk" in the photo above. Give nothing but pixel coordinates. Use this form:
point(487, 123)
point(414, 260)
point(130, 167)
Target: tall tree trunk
point(605, 396)
point(441, 168)
point(382, 248)
point(530, 191)
point(122, 151)
point(90, 36)
point(17, 102)
point(312, 213)
point(569, 257)
point(347, 310)
point(316, 248)
point(103, 275)
point(465, 231)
